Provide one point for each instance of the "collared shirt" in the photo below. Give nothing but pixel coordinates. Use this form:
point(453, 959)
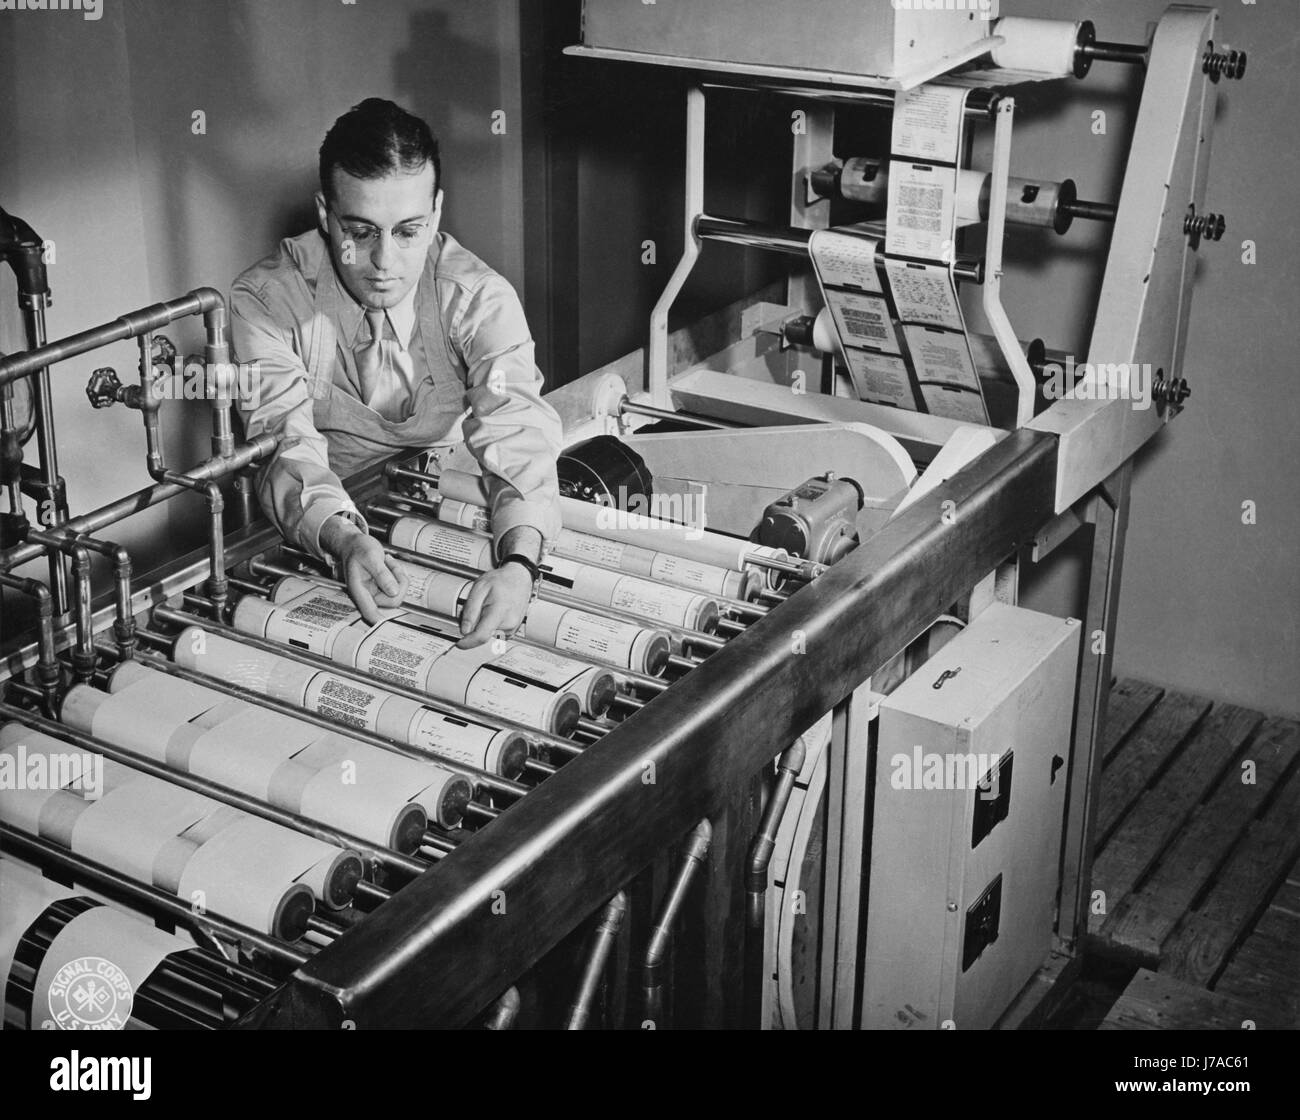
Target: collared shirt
point(397, 386)
point(495, 405)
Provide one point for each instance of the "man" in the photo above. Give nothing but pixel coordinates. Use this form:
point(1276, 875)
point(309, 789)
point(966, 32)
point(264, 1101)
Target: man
point(376, 333)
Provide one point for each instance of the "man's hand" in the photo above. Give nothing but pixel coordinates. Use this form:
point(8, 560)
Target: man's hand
point(496, 605)
point(499, 599)
point(373, 579)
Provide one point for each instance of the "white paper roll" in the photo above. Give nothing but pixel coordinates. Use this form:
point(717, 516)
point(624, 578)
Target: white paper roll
point(24, 896)
point(603, 521)
point(1044, 46)
point(117, 950)
point(444, 542)
point(671, 606)
point(276, 758)
point(151, 831)
point(610, 640)
point(421, 653)
point(355, 704)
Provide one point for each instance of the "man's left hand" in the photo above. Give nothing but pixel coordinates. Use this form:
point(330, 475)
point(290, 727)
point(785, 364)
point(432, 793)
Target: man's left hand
point(496, 605)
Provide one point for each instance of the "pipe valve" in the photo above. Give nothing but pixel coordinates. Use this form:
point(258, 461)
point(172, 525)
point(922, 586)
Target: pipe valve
point(105, 389)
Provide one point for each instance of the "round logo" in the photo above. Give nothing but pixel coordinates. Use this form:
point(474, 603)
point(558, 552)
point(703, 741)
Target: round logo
point(90, 994)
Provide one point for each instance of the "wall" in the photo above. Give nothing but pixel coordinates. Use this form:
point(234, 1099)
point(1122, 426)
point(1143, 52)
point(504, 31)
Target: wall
point(1208, 604)
point(98, 153)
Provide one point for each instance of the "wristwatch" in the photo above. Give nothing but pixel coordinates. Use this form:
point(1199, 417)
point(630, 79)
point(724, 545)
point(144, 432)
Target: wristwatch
point(520, 558)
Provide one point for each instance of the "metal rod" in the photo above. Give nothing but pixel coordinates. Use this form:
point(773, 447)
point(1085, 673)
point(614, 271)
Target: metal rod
point(48, 672)
point(84, 657)
point(371, 892)
point(42, 850)
point(697, 851)
point(549, 594)
point(292, 653)
point(227, 796)
point(1134, 54)
point(114, 512)
point(52, 499)
point(124, 623)
point(733, 606)
point(1090, 211)
point(201, 301)
point(611, 921)
point(316, 923)
point(760, 858)
point(627, 406)
point(505, 1011)
point(446, 622)
point(228, 688)
point(792, 241)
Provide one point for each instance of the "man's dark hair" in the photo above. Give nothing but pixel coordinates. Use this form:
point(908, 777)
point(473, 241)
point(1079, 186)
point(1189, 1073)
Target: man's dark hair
point(376, 139)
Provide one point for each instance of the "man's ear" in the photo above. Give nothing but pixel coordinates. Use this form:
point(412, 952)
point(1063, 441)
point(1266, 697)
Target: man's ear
point(437, 211)
point(322, 213)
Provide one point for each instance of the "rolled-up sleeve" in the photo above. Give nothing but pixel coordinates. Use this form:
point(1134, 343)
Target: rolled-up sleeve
point(515, 436)
point(296, 487)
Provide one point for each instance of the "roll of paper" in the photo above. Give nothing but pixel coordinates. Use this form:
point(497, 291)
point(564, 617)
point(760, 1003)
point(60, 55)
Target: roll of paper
point(152, 831)
point(429, 538)
point(354, 703)
point(681, 540)
point(421, 653)
point(612, 641)
point(118, 951)
point(671, 606)
point(1043, 46)
point(270, 756)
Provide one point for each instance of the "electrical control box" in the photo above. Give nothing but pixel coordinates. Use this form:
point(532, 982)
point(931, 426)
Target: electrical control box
point(896, 41)
point(971, 769)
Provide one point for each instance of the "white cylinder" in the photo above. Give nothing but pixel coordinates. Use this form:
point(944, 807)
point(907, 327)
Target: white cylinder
point(634, 528)
point(970, 196)
point(1044, 46)
point(406, 648)
point(610, 640)
point(356, 704)
point(443, 542)
point(672, 606)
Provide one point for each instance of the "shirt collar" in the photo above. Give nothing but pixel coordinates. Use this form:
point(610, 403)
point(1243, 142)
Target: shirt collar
point(401, 318)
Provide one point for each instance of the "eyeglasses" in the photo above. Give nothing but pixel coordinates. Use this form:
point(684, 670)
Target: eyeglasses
point(363, 234)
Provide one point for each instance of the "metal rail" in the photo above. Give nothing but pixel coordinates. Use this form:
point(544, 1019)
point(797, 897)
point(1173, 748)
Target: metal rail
point(516, 889)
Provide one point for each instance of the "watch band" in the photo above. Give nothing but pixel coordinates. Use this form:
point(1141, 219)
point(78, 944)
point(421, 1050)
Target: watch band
point(520, 558)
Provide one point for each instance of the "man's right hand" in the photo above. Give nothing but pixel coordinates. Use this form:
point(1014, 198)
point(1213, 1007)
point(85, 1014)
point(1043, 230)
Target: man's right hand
point(373, 579)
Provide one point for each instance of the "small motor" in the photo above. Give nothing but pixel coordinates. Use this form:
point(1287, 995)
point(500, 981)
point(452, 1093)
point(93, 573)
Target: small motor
point(817, 521)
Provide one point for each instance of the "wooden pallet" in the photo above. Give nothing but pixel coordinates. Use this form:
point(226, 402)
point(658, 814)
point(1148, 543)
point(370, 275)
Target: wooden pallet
point(1259, 971)
point(1153, 1002)
point(1198, 827)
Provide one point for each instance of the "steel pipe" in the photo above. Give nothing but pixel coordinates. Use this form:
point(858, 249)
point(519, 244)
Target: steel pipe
point(697, 851)
point(611, 921)
point(110, 514)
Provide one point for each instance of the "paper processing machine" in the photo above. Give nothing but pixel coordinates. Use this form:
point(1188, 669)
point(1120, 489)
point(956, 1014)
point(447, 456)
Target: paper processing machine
point(776, 746)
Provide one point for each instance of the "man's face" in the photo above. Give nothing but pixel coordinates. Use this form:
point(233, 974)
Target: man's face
point(379, 232)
